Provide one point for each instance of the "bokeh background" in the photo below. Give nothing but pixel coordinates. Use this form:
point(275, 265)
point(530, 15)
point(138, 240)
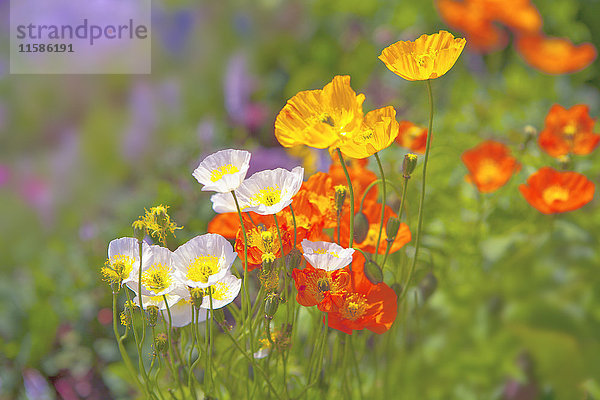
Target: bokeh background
point(510, 314)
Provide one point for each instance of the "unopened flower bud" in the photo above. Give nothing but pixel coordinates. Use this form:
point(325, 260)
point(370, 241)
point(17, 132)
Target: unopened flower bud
point(293, 260)
point(530, 131)
point(197, 296)
point(391, 229)
point(271, 304)
point(397, 288)
point(152, 314)
point(160, 343)
point(408, 165)
point(340, 197)
point(373, 272)
point(361, 227)
point(139, 230)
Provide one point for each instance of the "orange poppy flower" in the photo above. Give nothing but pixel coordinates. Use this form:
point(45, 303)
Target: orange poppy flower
point(317, 287)
point(490, 165)
point(555, 55)
point(519, 15)
point(428, 57)
point(372, 211)
point(475, 20)
point(552, 192)
point(226, 225)
point(369, 306)
point(412, 137)
point(263, 239)
point(568, 131)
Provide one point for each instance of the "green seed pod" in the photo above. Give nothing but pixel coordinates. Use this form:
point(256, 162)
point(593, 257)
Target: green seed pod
point(409, 164)
point(391, 228)
point(197, 295)
point(152, 314)
point(323, 285)
point(160, 343)
point(271, 304)
point(373, 272)
point(139, 230)
point(361, 227)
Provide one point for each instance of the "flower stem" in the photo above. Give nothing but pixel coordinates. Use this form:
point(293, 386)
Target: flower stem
point(423, 185)
point(122, 350)
point(295, 228)
point(382, 205)
point(351, 240)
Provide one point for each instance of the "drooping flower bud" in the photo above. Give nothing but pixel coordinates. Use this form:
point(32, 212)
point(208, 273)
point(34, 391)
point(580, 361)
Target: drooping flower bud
point(293, 259)
point(361, 227)
point(428, 285)
point(391, 228)
point(271, 304)
point(408, 165)
point(373, 272)
point(152, 315)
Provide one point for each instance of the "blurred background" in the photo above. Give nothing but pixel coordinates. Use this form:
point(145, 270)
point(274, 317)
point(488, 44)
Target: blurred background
point(515, 315)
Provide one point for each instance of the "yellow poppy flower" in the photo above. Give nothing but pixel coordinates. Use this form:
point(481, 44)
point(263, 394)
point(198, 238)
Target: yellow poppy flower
point(378, 131)
point(320, 118)
point(428, 57)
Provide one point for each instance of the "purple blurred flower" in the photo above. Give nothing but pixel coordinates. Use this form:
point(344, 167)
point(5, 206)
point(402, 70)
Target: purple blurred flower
point(37, 194)
point(239, 86)
point(36, 386)
point(270, 158)
point(173, 28)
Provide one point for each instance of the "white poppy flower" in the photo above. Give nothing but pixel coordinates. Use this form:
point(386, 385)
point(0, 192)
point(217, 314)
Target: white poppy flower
point(203, 260)
point(265, 193)
point(326, 255)
point(223, 292)
point(124, 259)
point(157, 273)
point(223, 171)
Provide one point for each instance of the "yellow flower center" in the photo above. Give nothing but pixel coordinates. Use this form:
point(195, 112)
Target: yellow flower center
point(423, 59)
point(202, 268)
point(117, 268)
point(218, 291)
point(218, 173)
point(555, 193)
point(268, 196)
point(354, 307)
point(157, 278)
point(488, 171)
point(326, 119)
point(324, 251)
point(570, 130)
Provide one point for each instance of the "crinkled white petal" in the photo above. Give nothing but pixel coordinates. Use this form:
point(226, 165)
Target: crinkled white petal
point(225, 291)
point(157, 301)
point(210, 244)
point(129, 247)
point(250, 193)
point(155, 256)
point(223, 171)
point(326, 255)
